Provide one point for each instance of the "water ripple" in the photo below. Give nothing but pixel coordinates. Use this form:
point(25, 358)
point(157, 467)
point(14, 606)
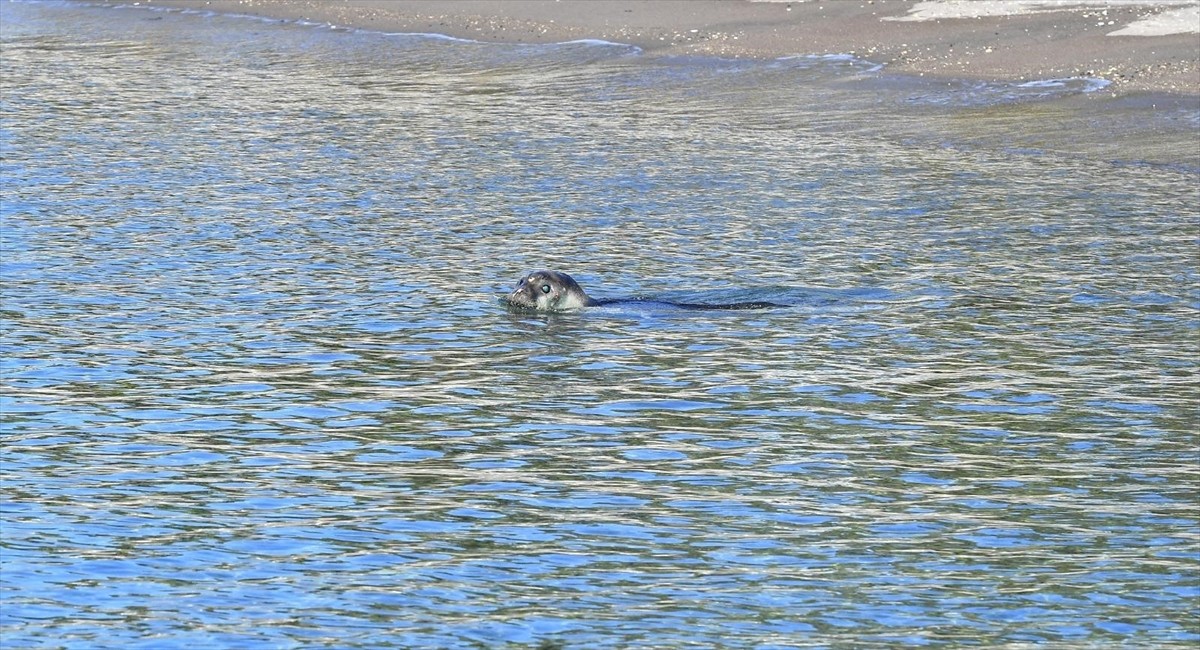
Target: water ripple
point(258, 391)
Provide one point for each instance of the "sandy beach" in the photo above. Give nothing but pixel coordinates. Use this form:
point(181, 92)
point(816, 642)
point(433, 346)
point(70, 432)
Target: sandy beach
point(1138, 45)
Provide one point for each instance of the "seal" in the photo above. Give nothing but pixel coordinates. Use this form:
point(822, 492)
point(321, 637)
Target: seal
point(555, 291)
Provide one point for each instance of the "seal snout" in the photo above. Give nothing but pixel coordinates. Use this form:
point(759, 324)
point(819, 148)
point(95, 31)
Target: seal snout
point(522, 295)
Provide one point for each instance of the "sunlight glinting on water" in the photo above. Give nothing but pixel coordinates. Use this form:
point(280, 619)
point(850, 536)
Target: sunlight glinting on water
point(260, 391)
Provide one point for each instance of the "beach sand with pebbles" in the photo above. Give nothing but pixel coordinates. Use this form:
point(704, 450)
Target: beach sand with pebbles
point(1137, 45)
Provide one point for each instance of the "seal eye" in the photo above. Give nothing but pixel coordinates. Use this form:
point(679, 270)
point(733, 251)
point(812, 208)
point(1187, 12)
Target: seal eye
point(545, 288)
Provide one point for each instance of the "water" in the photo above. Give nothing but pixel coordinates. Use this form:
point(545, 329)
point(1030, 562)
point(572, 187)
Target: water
point(259, 392)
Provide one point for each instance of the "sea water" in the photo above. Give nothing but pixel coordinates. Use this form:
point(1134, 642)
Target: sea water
point(259, 391)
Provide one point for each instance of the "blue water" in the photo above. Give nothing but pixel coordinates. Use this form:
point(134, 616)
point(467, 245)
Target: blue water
point(259, 391)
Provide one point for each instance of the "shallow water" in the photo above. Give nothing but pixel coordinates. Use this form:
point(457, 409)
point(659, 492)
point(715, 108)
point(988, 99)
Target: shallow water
point(259, 391)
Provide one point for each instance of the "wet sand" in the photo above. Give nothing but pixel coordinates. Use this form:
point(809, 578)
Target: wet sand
point(1030, 39)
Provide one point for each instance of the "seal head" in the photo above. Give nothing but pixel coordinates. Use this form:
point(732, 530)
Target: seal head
point(549, 291)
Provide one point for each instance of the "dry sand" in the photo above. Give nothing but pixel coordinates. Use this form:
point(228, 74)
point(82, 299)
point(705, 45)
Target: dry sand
point(984, 39)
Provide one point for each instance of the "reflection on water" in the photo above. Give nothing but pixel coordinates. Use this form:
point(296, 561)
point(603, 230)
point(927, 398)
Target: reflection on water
point(259, 393)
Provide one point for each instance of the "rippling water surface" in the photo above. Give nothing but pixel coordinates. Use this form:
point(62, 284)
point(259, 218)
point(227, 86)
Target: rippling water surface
point(259, 392)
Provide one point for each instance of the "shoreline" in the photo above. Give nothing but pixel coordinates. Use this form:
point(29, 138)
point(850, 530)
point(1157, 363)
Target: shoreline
point(1042, 41)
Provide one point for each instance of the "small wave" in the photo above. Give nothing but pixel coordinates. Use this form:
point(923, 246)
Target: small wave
point(430, 35)
point(1081, 84)
point(303, 22)
point(625, 48)
point(864, 66)
point(977, 93)
point(602, 43)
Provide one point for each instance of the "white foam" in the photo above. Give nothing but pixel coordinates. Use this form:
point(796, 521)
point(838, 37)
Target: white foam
point(1185, 20)
point(633, 49)
point(430, 35)
point(1090, 84)
point(303, 22)
point(594, 41)
point(870, 67)
point(950, 9)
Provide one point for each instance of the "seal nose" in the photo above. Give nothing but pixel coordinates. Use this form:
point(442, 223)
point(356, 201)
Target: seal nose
point(517, 295)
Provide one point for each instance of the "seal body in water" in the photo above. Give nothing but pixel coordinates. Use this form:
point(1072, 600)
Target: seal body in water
point(557, 291)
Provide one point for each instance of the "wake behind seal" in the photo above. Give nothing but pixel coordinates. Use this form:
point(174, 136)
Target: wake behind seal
point(555, 291)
